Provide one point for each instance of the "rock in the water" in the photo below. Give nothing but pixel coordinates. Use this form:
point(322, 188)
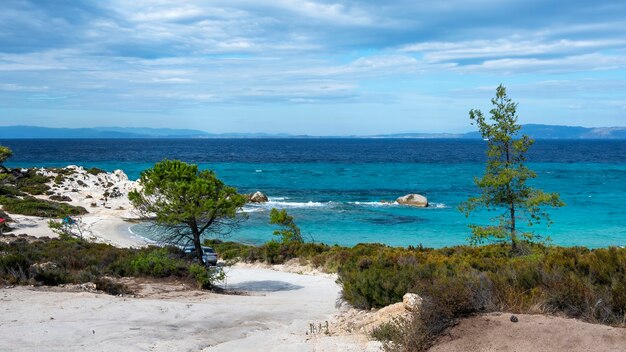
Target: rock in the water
point(412, 302)
point(416, 200)
point(257, 197)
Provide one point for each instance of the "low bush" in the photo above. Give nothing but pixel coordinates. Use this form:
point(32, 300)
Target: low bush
point(157, 262)
point(72, 260)
point(39, 207)
point(60, 198)
point(111, 287)
point(30, 182)
point(95, 171)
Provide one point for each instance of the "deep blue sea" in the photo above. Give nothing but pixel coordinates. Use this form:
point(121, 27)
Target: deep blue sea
point(333, 187)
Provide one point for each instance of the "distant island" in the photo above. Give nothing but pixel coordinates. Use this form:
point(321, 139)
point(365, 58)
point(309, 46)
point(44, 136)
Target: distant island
point(536, 131)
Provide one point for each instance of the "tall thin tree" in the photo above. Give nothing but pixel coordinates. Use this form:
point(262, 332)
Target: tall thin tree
point(504, 185)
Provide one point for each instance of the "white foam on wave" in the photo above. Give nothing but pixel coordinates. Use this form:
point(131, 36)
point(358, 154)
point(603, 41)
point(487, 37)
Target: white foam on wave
point(252, 208)
point(277, 199)
point(142, 237)
point(396, 204)
point(438, 205)
point(375, 204)
point(249, 209)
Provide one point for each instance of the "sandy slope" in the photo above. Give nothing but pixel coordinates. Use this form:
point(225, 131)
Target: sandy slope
point(537, 333)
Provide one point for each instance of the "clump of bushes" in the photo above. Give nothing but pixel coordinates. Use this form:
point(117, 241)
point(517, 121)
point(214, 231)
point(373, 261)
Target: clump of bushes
point(95, 171)
point(38, 207)
point(60, 198)
point(29, 181)
point(71, 260)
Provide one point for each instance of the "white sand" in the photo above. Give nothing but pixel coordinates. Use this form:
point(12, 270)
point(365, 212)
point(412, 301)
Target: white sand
point(274, 317)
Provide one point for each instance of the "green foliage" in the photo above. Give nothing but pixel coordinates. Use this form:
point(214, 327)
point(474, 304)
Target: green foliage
point(289, 231)
point(10, 191)
point(30, 182)
point(159, 262)
point(504, 185)
point(460, 281)
point(72, 260)
point(95, 171)
point(187, 202)
point(5, 153)
point(206, 277)
point(58, 179)
point(39, 207)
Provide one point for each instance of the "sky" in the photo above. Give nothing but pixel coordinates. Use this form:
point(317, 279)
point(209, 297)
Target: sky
point(309, 67)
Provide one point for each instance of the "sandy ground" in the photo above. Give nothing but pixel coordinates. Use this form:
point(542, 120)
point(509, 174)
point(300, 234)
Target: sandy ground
point(274, 315)
point(538, 333)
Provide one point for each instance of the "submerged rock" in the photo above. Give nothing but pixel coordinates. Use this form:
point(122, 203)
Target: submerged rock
point(416, 200)
point(257, 197)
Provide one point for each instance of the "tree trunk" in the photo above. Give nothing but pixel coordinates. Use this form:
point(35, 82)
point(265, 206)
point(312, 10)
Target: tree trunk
point(513, 234)
point(196, 242)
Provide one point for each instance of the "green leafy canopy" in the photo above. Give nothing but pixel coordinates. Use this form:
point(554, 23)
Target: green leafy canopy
point(289, 231)
point(186, 202)
point(504, 185)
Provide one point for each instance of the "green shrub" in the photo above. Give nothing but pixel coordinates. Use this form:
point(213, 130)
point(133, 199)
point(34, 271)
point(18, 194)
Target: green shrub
point(206, 277)
point(31, 182)
point(95, 171)
point(157, 262)
point(14, 268)
point(39, 207)
point(50, 275)
point(58, 179)
point(10, 191)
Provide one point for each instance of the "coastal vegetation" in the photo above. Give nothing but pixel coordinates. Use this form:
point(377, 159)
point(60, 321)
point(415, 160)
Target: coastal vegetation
point(289, 231)
point(504, 185)
point(69, 260)
point(186, 203)
point(32, 206)
point(5, 153)
point(455, 282)
point(18, 189)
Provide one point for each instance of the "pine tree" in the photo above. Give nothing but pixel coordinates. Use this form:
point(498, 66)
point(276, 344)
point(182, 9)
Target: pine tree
point(504, 185)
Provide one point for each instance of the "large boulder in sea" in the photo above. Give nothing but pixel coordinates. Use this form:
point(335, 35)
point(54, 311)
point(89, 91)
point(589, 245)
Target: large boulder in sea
point(416, 200)
point(257, 197)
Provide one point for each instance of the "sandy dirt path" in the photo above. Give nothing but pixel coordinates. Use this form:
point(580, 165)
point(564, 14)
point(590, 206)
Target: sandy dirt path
point(273, 317)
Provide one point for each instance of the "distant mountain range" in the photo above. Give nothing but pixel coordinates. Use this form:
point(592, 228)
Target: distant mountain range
point(533, 130)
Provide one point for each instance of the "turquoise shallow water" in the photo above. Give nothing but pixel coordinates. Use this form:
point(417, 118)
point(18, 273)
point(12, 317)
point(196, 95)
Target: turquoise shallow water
point(338, 201)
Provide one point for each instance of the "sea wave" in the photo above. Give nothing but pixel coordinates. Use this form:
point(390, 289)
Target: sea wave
point(285, 205)
point(282, 203)
point(375, 204)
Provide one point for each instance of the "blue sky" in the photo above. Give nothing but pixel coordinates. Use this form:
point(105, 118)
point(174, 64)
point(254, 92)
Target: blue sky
point(314, 67)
